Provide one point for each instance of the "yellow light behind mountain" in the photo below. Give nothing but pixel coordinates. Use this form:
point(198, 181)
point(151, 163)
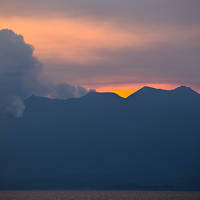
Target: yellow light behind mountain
point(125, 91)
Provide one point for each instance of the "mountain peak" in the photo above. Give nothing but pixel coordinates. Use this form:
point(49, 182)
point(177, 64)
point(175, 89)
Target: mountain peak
point(182, 87)
point(101, 95)
point(183, 90)
point(149, 91)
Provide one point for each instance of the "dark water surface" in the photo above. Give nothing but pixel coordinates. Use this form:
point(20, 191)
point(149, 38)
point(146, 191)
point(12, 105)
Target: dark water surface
point(98, 195)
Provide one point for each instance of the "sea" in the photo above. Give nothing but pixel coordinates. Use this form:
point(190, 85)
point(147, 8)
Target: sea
point(98, 195)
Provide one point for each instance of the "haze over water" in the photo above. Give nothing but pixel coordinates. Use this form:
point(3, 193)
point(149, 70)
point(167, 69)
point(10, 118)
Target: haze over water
point(98, 195)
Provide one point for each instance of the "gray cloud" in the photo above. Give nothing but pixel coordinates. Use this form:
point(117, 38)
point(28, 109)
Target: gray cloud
point(162, 62)
point(130, 11)
point(18, 72)
point(21, 76)
point(62, 91)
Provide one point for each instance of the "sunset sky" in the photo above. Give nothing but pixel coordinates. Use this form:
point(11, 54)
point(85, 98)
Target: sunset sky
point(111, 45)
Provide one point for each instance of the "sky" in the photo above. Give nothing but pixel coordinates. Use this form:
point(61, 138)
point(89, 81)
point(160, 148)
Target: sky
point(111, 45)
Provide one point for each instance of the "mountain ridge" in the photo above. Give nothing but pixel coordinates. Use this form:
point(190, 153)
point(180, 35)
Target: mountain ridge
point(103, 143)
point(142, 91)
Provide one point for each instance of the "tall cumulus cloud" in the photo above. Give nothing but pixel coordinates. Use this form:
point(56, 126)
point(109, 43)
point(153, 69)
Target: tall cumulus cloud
point(21, 76)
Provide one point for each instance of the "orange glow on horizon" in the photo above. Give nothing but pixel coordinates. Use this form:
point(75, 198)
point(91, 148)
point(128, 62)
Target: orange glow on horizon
point(127, 90)
point(83, 41)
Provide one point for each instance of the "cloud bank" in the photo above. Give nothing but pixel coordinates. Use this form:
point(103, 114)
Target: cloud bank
point(21, 76)
point(170, 62)
point(144, 11)
point(101, 43)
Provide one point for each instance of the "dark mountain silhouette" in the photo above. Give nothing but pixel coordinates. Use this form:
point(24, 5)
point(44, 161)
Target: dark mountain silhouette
point(149, 140)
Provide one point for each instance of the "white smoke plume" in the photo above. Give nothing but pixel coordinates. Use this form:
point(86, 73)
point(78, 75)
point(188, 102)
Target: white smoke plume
point(21, 76)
